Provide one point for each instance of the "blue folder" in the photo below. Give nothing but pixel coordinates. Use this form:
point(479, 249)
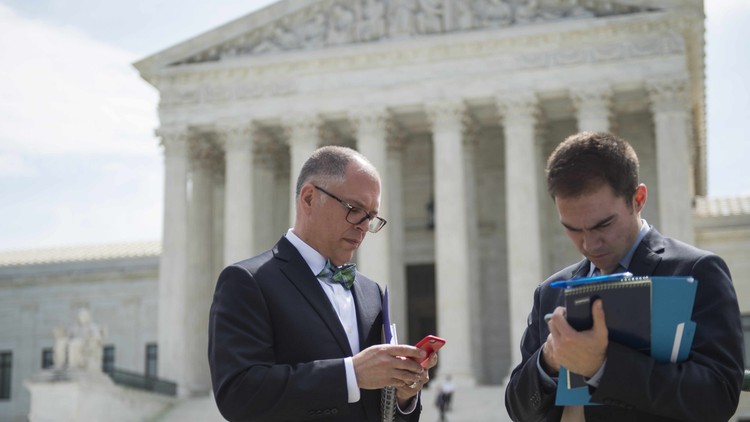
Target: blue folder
point(671, 330)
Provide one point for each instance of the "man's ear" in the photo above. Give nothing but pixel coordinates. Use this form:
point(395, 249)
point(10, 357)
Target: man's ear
point(640, 197)
point(306, 196)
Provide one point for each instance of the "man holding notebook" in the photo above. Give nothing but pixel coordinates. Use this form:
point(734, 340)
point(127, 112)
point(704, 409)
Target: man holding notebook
point(593, 181)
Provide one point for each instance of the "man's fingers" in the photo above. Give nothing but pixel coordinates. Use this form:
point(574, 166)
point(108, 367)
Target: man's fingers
point(406, 351)
point(409, 357)
point(597, 314)
point(432, 361)
point(557, 321)
point(404, 377)
point(410, 365)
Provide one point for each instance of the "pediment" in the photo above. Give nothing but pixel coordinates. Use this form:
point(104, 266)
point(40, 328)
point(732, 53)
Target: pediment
point(298, 25)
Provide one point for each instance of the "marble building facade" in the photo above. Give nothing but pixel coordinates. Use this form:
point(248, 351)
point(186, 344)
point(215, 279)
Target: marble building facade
point(458, 103)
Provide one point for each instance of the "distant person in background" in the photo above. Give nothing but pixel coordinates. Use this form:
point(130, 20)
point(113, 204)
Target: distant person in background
point(446, 389)
point(444, 397)
point(593, 181)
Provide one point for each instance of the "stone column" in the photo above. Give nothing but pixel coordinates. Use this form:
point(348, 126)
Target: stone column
point(281, 192)
point(396, 229)
point(266, 162)
point(173, 261)
point(452, 259)
point(592, 105)
point(519, 115)
point(373, 256)
point(239, 192)
point(670, 105)
point(470, 145)
point(304, 139)
point(199, 280)
point(218, 212)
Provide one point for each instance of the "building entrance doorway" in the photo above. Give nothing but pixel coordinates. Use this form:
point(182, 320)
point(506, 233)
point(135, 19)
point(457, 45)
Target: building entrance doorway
point(420, 303)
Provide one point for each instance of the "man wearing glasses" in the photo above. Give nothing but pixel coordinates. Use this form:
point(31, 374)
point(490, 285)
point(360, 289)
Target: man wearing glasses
point(295, 332)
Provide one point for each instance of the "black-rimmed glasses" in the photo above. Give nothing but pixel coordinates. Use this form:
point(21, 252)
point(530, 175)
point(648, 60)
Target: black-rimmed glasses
point(357, 215)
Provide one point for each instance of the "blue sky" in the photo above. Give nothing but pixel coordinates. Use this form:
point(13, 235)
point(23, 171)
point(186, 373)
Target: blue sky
point(79, 163)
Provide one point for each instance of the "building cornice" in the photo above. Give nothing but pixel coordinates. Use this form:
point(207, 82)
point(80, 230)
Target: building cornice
point(722, 206)
point(70, 254)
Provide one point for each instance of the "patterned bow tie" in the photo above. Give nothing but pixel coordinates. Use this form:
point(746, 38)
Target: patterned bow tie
point(343, 274)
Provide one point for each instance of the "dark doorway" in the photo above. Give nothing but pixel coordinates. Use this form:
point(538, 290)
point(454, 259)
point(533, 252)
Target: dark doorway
point(420, 302)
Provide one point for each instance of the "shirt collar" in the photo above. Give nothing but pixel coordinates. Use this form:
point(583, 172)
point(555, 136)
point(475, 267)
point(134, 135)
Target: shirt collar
point(313, 258)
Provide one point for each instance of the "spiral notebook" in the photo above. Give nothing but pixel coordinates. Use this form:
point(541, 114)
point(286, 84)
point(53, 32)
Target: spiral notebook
point(388, 394)
point(649, 314)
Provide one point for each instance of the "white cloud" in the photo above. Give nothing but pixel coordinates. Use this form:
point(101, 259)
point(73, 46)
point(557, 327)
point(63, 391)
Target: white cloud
point(75, 201)
point(64, 92)
point(16, 166)
point(79, 162)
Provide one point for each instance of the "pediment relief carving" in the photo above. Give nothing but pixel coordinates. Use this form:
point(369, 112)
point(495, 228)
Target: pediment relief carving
point(338, 22)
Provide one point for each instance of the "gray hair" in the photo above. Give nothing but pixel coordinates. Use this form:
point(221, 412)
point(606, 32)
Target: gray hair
point(330, 163)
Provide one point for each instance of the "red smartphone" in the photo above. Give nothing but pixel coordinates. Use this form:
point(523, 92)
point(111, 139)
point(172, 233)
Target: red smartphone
point(430, 344)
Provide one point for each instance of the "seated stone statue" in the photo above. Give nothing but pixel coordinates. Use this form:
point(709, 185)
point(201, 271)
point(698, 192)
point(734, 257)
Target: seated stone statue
point(80, 346)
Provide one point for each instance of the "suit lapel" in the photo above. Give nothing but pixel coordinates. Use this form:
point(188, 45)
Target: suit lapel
point(298, 273)
point(368, 309)
point(648, 254)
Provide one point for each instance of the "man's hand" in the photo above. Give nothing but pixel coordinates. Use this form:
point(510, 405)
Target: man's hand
point(386, 365)
point(582, 352)
point(405, 393)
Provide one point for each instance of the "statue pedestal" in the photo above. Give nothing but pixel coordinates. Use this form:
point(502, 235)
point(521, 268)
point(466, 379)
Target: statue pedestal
point(81, 396)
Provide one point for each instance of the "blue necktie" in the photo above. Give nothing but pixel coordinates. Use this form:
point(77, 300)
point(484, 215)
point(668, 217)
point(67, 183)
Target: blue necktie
point(344, 274)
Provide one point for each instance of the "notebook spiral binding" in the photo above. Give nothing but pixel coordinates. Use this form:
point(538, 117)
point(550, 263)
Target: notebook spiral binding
point(388, 394)
point(597, 287)
point(388, 404)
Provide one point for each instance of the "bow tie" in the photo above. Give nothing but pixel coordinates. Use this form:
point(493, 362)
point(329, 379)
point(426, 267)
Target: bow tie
point(343, 274)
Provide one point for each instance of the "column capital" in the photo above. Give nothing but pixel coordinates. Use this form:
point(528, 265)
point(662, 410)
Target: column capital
point(236, 136)
point(446, 114)
point(470, 130)
point(369, 119)
point(593, 107)
point(395, 136)
point(302, 124)
point(668, 95)
point(592, 97)
point(518, 107)
point(174, 140)
point(205, 153)
point(265, 150)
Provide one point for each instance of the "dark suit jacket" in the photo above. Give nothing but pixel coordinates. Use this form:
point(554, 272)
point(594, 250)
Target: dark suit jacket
point(276, 346)
point(634, 387)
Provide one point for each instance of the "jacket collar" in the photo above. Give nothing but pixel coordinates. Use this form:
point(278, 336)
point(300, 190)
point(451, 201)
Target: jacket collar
point(648, 254)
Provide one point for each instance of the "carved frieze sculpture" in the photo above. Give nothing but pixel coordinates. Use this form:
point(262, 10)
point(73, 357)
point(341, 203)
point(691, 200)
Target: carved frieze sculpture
point(336, 22)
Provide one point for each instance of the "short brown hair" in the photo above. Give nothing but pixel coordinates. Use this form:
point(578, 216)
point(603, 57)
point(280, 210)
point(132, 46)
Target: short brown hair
point(587, 160)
